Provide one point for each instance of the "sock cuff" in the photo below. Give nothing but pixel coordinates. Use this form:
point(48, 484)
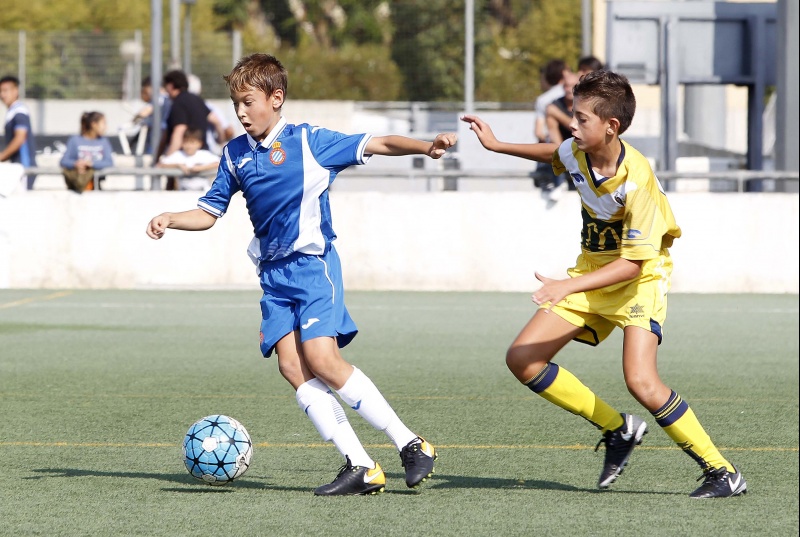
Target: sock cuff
point(671, 411)
point(352, 390)
point(543, 378)
point(310, 391)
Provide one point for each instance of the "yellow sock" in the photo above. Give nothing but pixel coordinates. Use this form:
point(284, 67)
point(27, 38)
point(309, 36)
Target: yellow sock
point(563, 389)
point(680, 423)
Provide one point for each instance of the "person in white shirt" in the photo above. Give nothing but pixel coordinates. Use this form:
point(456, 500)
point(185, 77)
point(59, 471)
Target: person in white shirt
point(193, 161)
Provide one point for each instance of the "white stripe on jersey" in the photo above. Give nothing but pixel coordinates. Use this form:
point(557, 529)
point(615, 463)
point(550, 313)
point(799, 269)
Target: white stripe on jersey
point(363, 159)
point(229, 163)
point(603, 206)
point(315, 180)
point(209, 209)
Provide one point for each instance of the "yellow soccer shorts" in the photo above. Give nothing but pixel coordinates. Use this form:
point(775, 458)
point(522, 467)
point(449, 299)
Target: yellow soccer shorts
point(641, 302)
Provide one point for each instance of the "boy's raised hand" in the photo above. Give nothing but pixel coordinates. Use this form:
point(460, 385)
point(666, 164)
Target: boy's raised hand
point(481, 130)
point(441, 144)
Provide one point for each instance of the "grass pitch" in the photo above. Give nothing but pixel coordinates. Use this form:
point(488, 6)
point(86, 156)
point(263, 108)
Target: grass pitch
point(97, 389)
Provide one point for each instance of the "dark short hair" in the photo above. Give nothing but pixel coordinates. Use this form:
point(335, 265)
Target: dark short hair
point(610, 94)
point(178, 79)
point(554, 71)
point(194, 133)
point(589, 63)
point(10, 78)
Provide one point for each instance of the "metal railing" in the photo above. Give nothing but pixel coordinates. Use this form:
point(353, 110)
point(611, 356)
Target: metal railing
point(741, 178)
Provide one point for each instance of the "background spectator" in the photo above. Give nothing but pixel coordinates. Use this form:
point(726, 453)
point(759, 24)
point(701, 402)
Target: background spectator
point(587, 64)
point(187, 111)
point(219, 130)
point(559, 112)
point(144, 117)
point(20, 144)
point(552, 79)
point(192, 160)
point(86, 153)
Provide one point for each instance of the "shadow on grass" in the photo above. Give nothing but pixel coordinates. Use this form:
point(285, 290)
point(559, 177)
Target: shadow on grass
point(193, 485)
point(442, 481)
point(439, 481)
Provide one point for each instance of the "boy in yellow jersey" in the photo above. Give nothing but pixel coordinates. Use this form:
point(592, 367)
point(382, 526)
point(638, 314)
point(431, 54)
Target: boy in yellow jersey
point(620, 279)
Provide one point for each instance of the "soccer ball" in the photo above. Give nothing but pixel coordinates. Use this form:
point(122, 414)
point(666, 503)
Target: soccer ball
point(217, 449)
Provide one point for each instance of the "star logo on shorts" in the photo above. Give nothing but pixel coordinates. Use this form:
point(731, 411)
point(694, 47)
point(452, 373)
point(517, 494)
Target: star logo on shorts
point(637, 311)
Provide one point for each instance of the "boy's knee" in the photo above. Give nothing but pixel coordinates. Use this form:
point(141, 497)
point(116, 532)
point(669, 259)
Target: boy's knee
point(518, 359)
point(642, 389)
point(525, 362)
point(292, 372)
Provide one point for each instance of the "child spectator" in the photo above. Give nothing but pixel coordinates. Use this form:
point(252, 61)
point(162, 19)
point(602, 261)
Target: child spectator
point(86, 153)
point(193, 160)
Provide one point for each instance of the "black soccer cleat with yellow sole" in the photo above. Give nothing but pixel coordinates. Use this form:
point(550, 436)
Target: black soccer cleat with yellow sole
point(354, 481)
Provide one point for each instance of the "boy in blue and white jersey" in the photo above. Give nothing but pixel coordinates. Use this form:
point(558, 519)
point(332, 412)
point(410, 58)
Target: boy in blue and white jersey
point(20, 144)
point(620, 279)
point(284, 172)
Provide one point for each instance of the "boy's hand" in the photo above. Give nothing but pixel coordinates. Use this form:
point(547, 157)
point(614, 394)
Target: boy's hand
point(158, 225)
point(552, 291)
point(441, 143)
point(481, 130)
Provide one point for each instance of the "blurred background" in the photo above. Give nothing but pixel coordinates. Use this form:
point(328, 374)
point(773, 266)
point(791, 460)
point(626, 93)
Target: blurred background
point(415, 65)
point(717, 116)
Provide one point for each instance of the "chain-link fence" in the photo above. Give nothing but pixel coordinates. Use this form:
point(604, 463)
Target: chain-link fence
point(101, 64)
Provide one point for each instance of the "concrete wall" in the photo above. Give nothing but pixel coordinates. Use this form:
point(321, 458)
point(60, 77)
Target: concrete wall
point(443, 241)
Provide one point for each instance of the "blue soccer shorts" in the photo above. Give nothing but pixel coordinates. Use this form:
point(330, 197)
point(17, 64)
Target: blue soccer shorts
point(305, 293)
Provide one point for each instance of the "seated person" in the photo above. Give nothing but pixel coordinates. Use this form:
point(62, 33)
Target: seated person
point(86, 153)
point(192, 160)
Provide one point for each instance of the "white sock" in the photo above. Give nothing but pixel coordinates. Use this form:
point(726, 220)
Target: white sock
point(363, 396)
point(317, 401)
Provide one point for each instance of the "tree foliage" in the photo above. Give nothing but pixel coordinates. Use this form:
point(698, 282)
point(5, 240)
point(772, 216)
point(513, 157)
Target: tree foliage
point(334, 49)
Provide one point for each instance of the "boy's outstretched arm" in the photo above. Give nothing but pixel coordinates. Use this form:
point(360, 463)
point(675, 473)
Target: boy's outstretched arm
point(542, 152)
point(394, 145)
point(193, 220)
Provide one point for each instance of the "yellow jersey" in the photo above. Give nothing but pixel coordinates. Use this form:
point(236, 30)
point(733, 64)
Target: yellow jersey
point(627, 215)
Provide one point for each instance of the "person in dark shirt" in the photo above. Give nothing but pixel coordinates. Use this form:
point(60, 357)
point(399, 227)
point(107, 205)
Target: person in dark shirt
point(187, 111)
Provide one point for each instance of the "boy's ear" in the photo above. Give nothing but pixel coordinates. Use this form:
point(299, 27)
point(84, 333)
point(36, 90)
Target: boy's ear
point(277, 98)
point(613, 126)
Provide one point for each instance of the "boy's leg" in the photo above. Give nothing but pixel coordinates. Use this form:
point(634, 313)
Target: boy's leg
point(529, 359)
point(360, 474)
point(675, 416)
point(361, 394)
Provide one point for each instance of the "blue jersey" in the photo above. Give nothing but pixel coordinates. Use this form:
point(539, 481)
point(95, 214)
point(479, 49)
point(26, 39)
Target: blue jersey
point(284, 181)
point(18, 118)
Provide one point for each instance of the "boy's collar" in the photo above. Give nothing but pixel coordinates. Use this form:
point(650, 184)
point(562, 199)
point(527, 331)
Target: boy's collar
point(276, 130)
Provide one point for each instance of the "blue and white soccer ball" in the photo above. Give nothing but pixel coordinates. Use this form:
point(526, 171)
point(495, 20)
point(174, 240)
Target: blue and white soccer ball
point(217, 449)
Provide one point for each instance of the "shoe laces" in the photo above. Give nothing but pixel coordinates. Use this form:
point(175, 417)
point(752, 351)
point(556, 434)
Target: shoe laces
point(713, 474)
point(347, 467)
point(611, 439)
point(408, 453)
